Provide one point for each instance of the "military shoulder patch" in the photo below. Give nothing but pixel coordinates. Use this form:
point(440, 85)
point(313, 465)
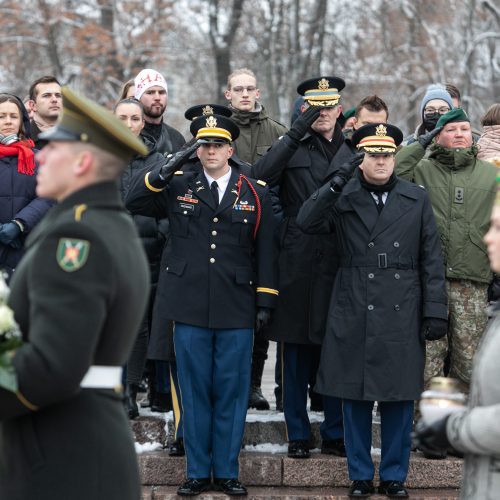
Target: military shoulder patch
point(72, 254)
point(262, 183)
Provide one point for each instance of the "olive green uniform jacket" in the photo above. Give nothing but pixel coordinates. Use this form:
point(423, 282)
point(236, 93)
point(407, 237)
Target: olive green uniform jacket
point(462, 190)
point(79, 295)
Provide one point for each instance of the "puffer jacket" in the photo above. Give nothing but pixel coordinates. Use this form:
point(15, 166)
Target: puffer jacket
point(462, 190)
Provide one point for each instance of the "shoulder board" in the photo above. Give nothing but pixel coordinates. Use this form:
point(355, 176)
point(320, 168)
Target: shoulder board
point(262, 183)
point(179, 172)
point(79, 209)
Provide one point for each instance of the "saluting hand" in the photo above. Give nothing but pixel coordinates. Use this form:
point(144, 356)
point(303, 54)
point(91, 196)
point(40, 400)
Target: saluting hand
point(346, 171)
point(175, 161)
point(303, 122)
point(427, 138)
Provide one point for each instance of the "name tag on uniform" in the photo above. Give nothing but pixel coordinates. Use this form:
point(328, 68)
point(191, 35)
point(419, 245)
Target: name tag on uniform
point(459, 195)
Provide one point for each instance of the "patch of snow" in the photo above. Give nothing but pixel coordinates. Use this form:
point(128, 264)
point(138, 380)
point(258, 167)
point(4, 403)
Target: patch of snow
point(145, 447)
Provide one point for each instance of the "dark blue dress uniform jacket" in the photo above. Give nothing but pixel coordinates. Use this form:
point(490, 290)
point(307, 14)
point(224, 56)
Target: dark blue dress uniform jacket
point(216, 271)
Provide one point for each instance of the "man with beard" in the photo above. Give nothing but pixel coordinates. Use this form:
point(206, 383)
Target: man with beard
point(298, 163)
point(151, 90)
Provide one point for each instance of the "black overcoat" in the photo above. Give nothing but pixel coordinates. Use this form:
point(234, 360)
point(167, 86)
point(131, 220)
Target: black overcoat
point(391, 275)
point(56, 439)
point(307, 263)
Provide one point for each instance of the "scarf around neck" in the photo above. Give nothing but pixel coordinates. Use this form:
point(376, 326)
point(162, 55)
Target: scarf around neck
point(11, 146)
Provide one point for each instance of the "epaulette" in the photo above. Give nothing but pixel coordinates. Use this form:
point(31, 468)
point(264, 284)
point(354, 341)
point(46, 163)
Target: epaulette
point(79, 209)
point(262, 183)
point(179, 172)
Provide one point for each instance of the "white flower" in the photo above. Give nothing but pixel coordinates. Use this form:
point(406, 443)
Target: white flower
point(6, 318)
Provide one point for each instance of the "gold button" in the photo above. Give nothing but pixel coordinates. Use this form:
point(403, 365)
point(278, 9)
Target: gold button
point(185, 212)
point(245, 221)
point(212, 246)
point(212, 260)
point(214, 233)
point(215, 219)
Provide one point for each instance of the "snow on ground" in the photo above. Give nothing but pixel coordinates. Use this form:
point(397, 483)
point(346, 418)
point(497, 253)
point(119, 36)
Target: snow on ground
point(145, 447)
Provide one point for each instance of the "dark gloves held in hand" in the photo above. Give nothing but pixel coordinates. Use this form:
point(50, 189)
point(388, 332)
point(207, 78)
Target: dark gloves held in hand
point(432, 438)
point(175, 161)
point(262, 319)
point(9, 235)
point(346, 171)
point(434, 328)
point(426, 139)
point(303, 122)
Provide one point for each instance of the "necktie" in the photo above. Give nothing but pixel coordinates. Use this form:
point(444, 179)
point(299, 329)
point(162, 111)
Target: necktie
point(215, 192)
point(380, 202)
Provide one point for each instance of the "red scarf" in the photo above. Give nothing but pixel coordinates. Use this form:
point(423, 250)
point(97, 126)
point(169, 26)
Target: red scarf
point(25, 155)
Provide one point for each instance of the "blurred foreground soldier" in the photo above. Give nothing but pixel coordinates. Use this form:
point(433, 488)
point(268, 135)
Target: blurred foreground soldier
point(298, 163)
point(389, 298)
point(79, 295)
point(219, 282)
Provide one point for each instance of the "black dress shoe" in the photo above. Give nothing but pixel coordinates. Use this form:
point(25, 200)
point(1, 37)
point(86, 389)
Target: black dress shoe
point(279, 405)
point(177, 448)
point(393, 489)
point(298, 449)
point(230, 487)
point(333, 447)
point(256, 399)
point(193, 487)
point(361, 489)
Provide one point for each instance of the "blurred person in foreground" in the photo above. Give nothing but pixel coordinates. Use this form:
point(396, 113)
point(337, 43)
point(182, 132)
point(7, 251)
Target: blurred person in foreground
point(489, 142)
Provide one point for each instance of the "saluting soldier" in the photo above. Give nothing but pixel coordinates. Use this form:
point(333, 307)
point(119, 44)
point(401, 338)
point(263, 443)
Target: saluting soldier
point(389, 298)
point(79, 296)
point(219, 273)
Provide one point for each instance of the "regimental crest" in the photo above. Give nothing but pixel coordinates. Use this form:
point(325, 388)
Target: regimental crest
point(72, 254)
point(207, 110)
point(323, 84)
point(381, 130)
point(211, 122)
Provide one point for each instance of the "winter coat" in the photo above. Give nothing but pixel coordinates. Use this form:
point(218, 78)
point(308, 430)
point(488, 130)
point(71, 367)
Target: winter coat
point(390, 277)
point(462, 190)
point(169, 139)
point(257, 133)
point(307, 263)
point(476, 431)
point(344, 155)
point(489, 143)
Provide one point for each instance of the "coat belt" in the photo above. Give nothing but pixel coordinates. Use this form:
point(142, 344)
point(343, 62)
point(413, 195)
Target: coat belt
point(102, 377)
point(381, 260)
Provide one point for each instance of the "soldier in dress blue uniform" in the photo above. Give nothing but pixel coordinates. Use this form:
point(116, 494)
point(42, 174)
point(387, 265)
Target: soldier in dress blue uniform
point(220, 281)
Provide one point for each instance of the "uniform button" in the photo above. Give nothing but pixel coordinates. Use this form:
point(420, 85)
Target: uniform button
point(212, 246)
point(371, 308)
point(396, 307)
point(214, 233)
point(371, 276)
point(185, 212)
point(371, 244)
point(245, 221)
point(397, 276)
point(396, 244)
point(212, 260)
point(216, 219)
point(251, 282)
point(167, 268)
point(450, 269)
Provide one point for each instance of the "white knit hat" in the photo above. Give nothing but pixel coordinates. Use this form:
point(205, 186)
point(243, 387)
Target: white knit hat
point(148, 78)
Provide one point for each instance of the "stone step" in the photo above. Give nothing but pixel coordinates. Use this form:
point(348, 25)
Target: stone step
point(169, 493)
point(277, 470)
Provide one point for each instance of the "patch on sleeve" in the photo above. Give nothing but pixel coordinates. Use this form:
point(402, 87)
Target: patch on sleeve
point(72, 254)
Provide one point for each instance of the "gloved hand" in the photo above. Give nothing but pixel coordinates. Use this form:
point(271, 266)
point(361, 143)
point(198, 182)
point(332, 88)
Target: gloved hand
point(301, 125)
point(262, 319)
point(175, 161)
point(434, 328)
point(426, 139)
point(9, 233)
point(346, 171)
point(432, 438)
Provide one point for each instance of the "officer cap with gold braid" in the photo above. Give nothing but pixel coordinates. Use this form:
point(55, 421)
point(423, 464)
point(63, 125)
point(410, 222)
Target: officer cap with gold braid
point(214, 129)
point(83, 120)
point(206, 109)
point(322, 91)
point(377, 138)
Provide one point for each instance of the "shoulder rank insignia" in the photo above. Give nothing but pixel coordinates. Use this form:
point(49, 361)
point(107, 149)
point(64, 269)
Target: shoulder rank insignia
point(262, 183)
point(72, 254)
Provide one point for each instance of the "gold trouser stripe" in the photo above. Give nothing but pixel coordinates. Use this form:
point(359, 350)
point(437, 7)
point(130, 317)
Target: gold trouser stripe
point(149, 186)
point(79, 209)
point(25, 402)
point(175, 404)
point(283, 383)
point(262, 289)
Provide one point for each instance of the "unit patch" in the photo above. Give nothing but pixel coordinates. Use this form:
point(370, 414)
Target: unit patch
point(72, 254)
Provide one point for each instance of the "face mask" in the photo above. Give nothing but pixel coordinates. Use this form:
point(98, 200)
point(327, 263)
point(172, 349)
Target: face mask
point(430, 121)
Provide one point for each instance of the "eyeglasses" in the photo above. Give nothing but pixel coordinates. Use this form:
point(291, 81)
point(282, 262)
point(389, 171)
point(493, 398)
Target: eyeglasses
point(240, 90)
point(442, 110)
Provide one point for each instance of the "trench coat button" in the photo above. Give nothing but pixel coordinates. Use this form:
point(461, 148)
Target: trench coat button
point(251, 282)
point(213, 246)
point(397, 276)
point(396, 307)
point(371, 308)
point(214, 233)
point(396, 244)
point(371, 276)
point(212, 260)
point(245, 221)
point(371, 244)
point(185, 212)
point(215, 219)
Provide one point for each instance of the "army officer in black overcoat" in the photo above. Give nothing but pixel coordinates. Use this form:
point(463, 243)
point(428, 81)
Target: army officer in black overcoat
point(78, 295)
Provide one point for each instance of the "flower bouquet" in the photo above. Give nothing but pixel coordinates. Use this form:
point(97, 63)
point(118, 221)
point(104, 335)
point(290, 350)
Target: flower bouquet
point(10, 339)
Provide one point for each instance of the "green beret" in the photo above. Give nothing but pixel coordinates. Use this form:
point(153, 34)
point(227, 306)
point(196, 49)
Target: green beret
point(455, 115)
point(349, 113)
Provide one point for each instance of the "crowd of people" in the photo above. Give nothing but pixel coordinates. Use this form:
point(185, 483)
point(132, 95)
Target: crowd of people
point(360, 251)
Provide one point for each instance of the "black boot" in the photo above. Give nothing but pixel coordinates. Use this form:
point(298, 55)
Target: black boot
point(162, 402)
point(130, 401)
point(256, 399)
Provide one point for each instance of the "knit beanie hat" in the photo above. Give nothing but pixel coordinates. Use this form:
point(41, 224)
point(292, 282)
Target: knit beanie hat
point(148, 78)
point(435, 91)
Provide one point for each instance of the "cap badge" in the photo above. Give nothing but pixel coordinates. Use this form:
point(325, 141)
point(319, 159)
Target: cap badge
point(211, 122)
point(381, 130)
point(323, 84)
point(207, 110)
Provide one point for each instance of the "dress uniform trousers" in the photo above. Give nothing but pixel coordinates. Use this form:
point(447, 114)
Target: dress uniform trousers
point(298, 360)
point(396, 424)
point(176, 401)
point(213, 368)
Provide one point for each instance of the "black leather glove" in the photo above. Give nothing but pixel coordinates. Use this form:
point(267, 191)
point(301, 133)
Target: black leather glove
point(432, 438)
point(9, 234)
point(262, 319)
point(346, 171)
point(434, 328)
point(426, 139)
point(303, 122)
point(175, 161)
